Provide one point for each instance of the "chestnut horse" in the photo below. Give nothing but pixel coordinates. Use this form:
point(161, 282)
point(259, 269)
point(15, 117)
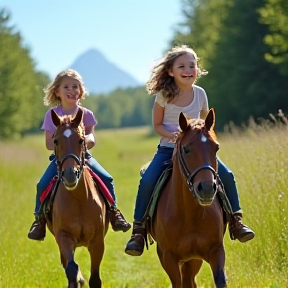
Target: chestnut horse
point(79, 215)
point(188, 224)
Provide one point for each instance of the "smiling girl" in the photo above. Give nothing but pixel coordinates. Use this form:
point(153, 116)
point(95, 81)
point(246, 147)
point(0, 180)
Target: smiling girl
point(173, 81)
point(65, 92)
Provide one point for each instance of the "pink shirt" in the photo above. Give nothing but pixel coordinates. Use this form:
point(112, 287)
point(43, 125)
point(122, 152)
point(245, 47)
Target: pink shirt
point(88, 118)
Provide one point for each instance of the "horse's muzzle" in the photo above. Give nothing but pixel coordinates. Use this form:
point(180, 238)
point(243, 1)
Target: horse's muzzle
point(205, 192)
point(70, 178)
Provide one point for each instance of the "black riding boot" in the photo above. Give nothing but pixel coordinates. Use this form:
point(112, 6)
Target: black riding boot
point(38, 228)
point(118, 221)
point(238, 230)
point(135, 245)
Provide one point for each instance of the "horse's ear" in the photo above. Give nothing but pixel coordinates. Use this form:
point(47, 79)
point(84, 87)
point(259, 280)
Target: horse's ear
point(55, 118)
point(78, 118)
point(183, 122)
point(210, 119)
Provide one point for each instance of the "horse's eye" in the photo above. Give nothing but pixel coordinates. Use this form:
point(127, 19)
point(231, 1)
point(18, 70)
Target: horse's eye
point(55, 142)
point(81, 141)
point(185, 150)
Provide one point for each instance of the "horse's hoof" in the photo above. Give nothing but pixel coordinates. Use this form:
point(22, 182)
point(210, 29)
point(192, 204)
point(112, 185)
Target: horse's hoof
point(80, 279)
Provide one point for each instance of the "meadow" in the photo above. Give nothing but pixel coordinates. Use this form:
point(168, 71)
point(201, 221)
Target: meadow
point(258, 158)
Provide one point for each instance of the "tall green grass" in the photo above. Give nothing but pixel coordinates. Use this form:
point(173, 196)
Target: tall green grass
point(258, 158)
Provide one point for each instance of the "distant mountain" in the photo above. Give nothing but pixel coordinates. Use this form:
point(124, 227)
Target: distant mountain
point(100, 75)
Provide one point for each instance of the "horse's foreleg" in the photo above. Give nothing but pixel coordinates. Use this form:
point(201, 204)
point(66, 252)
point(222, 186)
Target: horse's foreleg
point(63, 260)
point(189, 270)
point(67, 248)
point(96, 251)
point(170, 264)
point(217, 264)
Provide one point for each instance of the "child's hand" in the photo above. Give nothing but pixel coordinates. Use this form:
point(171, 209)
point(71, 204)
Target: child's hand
point(174, 137)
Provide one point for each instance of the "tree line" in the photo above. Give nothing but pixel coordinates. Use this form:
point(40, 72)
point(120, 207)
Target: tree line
point(242, 44)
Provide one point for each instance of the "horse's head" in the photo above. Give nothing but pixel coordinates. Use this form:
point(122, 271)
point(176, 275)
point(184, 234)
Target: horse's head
point(69, 147)
point(196, 150)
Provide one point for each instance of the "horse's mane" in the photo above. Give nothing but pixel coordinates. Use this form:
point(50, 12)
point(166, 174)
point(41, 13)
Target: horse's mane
point(199, 124)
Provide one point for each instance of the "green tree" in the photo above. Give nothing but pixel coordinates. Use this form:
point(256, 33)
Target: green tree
point(275, 15)
point(121, 108)
point(201, 26)
point(19, 83)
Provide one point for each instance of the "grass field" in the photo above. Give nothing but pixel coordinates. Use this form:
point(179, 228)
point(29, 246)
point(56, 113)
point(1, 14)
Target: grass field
point(257, 157)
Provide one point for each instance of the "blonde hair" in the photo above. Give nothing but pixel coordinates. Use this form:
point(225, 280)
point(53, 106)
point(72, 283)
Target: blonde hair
point(160, 80)
point(50, 90)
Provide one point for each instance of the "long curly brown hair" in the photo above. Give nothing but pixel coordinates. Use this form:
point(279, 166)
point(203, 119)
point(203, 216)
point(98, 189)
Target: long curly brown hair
point(160, 80)
point(50, 90)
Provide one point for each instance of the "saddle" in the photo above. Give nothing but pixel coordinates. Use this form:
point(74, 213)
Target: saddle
point(48, 195)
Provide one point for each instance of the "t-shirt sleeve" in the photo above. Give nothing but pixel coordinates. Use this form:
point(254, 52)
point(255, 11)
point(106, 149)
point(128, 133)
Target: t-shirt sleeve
point(89, 118)
point(48, 124)
point(205, 106)
point(160, 99)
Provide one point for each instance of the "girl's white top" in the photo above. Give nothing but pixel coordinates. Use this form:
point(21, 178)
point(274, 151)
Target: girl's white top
point(172, 112)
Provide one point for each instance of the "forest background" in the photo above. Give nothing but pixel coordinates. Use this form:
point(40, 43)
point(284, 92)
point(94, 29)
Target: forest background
point(243, 45)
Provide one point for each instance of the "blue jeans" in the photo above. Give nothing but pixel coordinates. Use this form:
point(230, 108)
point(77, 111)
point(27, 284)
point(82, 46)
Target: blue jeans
point(230, 187)
point(51, 171)
point(160, 161)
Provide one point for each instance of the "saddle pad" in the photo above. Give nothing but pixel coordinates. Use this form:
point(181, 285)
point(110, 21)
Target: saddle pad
point(46, 192)
point(157, 191)
point(102, 187)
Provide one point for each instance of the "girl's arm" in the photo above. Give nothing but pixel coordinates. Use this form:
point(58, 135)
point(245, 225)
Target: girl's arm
point(49, 140)
point(89, 136)
point(157, 120)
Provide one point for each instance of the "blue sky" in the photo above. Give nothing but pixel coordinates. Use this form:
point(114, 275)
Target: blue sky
point(129, 33)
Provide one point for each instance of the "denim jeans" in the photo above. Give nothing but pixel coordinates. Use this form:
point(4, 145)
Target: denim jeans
point(228, 180)
point(160, 161)
point(51, 171)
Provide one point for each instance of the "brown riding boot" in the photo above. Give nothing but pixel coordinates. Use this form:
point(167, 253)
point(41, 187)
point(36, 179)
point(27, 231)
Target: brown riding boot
point(135, 245)
point(118, 221)
point(238, 230)
point(38, 229)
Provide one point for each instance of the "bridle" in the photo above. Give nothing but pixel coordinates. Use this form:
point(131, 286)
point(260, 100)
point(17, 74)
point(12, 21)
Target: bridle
point(79, 160)
point(189, 176)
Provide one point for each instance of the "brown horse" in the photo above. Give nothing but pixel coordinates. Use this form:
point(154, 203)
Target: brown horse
point(188, 225)
point(79, 215)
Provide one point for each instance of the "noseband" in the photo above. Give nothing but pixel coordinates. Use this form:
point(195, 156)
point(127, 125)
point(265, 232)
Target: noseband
point(79, 161)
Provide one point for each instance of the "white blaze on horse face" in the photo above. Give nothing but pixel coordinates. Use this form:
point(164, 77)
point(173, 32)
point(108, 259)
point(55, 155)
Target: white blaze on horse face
point(67, 133)
point(203, 138)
